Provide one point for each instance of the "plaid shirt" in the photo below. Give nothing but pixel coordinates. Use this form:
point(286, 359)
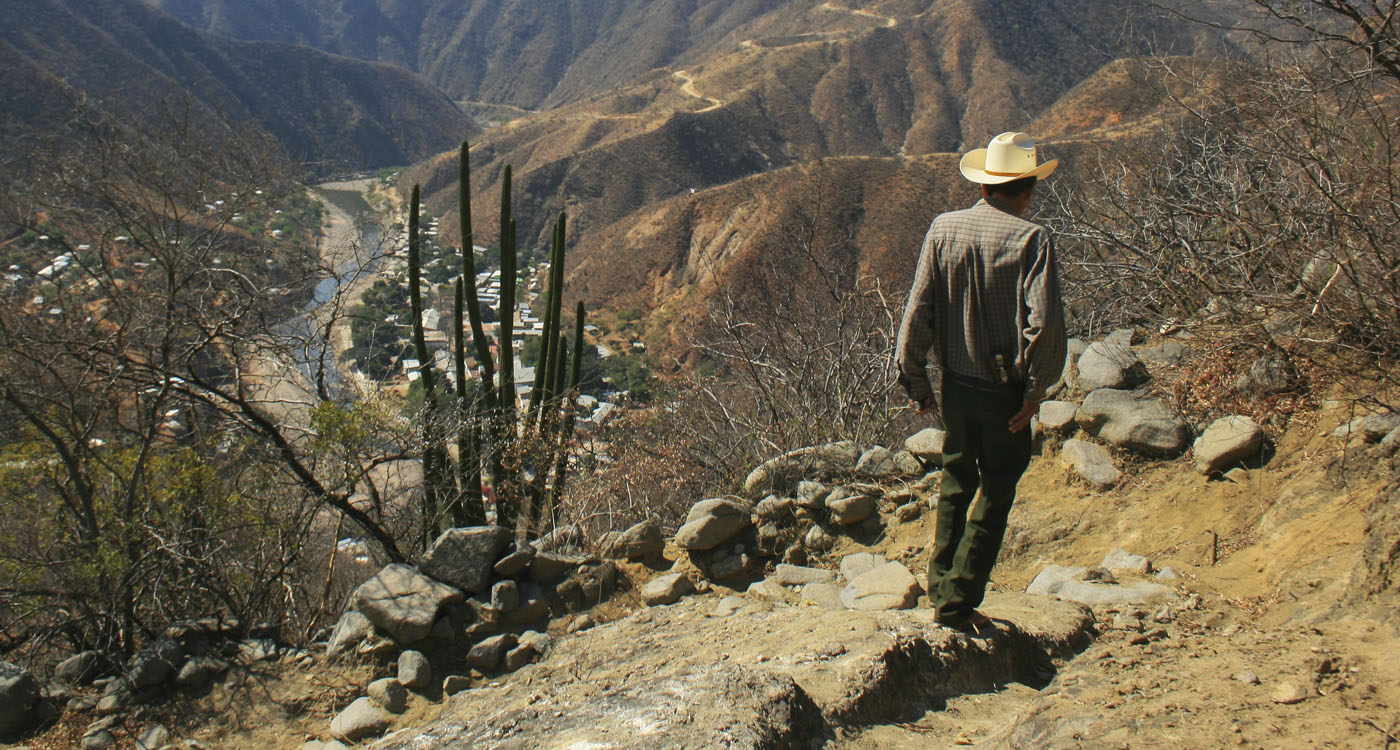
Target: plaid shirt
point(986, 283)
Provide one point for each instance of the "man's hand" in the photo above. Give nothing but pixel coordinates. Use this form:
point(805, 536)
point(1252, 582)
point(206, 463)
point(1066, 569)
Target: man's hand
point(929, 406)
point(1022, 419)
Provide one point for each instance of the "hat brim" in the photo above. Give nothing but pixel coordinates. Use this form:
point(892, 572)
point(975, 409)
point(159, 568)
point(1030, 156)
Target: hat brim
point(974, 162)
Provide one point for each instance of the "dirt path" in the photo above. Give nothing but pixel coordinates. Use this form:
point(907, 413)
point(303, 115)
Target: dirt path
point(888, 22)
point(688, 87)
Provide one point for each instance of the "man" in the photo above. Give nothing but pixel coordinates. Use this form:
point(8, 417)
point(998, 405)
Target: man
point(986, 303)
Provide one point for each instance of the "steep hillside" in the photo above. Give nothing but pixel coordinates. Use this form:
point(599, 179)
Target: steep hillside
point(141, 63)
point(648, 171)
point(528, 53)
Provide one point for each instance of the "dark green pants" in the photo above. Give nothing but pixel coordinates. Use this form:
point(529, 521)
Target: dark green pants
point(979, 451)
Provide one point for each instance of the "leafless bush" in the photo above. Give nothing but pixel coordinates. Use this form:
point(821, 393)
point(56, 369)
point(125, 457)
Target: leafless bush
point(1263, 214)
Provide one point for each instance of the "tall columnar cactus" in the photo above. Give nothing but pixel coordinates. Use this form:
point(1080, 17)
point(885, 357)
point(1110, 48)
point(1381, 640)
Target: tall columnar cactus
point(541, 439)
point(434, 454)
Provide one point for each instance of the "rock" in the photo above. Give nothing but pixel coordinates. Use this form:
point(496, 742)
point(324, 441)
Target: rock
point(812, 495)
point(534, 607)
point(82, 668)
point(553, 567)
point(415, 672)
point(1124, 420)
point(1052, 577)
point(200, 671)
point(536, 640)
point(359, 720)
point(505, 596)
point(927, 445)
point(780, 474)
point(909, 511)
point(1125, 621)
point(1110, 595)
point(519, 657)
point(666, 589)
point(728, 606)
point(1058, 416)
point(713, 522)
point(463, 558)
point(859, 563)
point(1168, 352)
point(641, 541)
point(796, 575)
point(577, 624)
point(773, 508)
point(150, 666)
point(1168, 574)
point(455, 683)
point(257, 649)
point(887, 586)
point(731, 566)
point(111, 704)
point(19, 693)
point(1391, 442)
point(518, 560)
point(1247, 676)
point(1290, 692)
point(488, 654)
point(849, 509)
point(824, 595)
point(155, 736)
point(1091, 463)
point(403, 602)
point(352, 628)
point(908, 464)
point(102, 739)
point(1376, 427)
point(1110, 364)
point(1074, 349)
point(1226, 441)
point(817, 539)
point(767, 589)
point(389, 694)
point(877, 463)
point(568, 536)
point(1120, 559)
point(376, 647)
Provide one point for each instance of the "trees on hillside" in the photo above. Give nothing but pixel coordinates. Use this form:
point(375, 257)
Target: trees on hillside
point(159, 463)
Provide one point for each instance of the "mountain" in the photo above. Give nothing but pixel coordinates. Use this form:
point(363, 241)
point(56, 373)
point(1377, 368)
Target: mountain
point(143, 64)
point(879, 103)
point(525, 53)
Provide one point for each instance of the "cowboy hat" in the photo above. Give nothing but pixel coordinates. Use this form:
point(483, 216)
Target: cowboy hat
point(1010, 156)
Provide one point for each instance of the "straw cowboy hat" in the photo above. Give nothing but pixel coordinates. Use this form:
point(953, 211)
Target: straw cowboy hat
point(1010, 156)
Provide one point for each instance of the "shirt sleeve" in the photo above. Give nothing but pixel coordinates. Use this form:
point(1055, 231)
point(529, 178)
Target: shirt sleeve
point(1044, 332)
point(916, 329)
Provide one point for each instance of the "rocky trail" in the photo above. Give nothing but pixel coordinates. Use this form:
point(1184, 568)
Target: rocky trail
point(1239, 592)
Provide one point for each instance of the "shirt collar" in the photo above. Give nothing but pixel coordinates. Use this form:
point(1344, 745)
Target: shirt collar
point(997, 203)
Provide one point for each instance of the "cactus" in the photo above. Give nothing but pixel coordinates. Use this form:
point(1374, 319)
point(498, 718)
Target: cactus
point(539, 439)
point(434, 455)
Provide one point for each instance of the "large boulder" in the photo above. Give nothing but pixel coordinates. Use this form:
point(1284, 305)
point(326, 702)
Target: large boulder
point(780, 474)
point(1058, 416)
point(403, 602)
point(1372, 428)
point(927, 445)
point(641, 541)
point(848, 508)
point(82, 668)
point(1110, 363)
point(1127, 421)
point(19, 692)
point(1225, 442)
point(1091, 462)
point(713, 522)
point(350, 630)
point(667, 589)
point(359, 720)
point(877, 463)
point(151, 665)
point(888, 586)
point(463, 557)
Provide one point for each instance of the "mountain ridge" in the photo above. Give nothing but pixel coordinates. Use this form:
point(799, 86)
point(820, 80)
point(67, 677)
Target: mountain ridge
point(136, 61)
